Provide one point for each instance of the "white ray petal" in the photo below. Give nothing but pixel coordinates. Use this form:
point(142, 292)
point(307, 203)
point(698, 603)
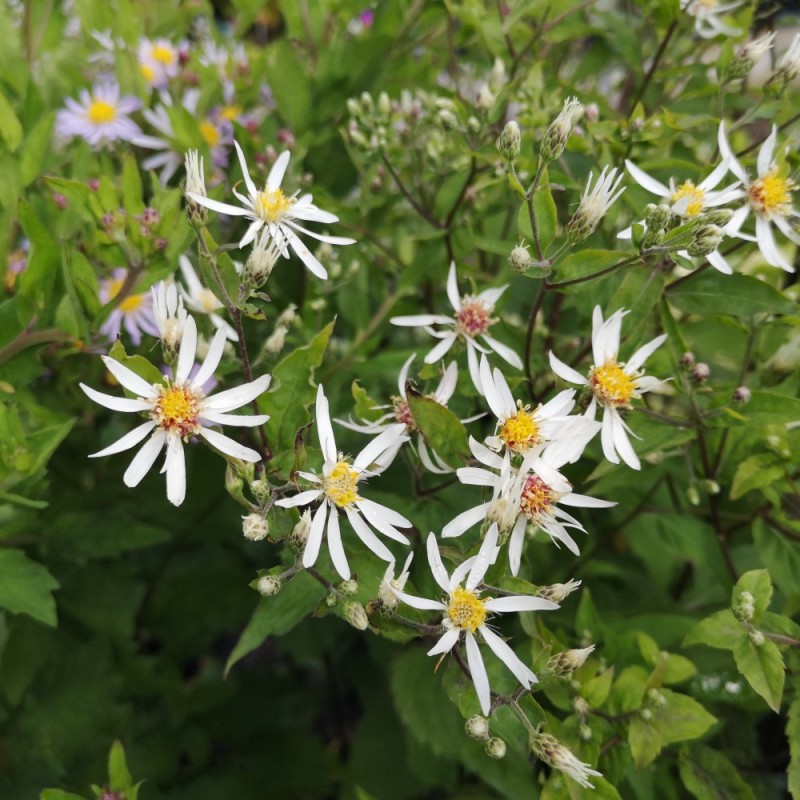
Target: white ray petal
point(452, 288)
point(175, 467)
point(646, 181)
point(523, 673)
point(129, 440)
point(464, 521)
point(384, 441)
point(336, 548)
point(441, 349)
point(563, 371)
point(446, 642)
point(643, 353)
point(622, 443)
point(229, 447)
point(248, 181)
point(314, 541)
point(276, 174)
point(236, 420)
point(187, 351)
point(212, 359)
point(301, 499)
point(115, 403)
point(129, 379)
point(485, 558)
point(478, 672)
point(504, 351)
point(144, 459)
point(422, 603)
point(234, 398)
point(367, 536)
point(220, 208)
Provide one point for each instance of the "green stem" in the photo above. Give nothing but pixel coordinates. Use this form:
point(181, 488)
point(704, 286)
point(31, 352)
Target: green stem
point(606, 271)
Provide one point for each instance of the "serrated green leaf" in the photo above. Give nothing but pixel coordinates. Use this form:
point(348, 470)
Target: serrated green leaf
point(10, 127)
point(757, 582)
point(35, 284)
point(443, 431)
point(644, 740)
point(734, 295)
point(583, 264)
point(793, 736)
point(754, 472)
point(138, 364)
point(779, 554)
point(680, 718)
point(721, 630)
point(291, 391)
point(277, 615)
point(596, 690)
point(26, 586)
point(762, 667)
point(708, 775)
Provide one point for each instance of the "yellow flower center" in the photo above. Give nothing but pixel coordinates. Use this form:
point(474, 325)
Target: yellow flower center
point(694, 195)
point(474, 317)
point(611, 384)
point(163, 54)
point(771, 194)
point(208, 300)
point(131, 303)
point(148, 73)
point(230, 113)
point(466, 610)
point(272, 206)
point(520, 432)
point(176, 410)
point(536, 498)
point(101, 113)
point(210, 133)
point(340, 485)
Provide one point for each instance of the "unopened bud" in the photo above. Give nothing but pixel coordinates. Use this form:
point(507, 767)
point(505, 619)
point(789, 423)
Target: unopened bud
point(693, 496)
point(701, 373)
point(260, 490)
point(348, 587)
point(646, 714)
point(195, 184)
point(557, 134)
point(581, 706)
point(741, 395)
point(655, 698)
point(276, 341)
point(712, 487)
point(591, 112)
point(384, 104)
point(585, 732)
point(299, 534)
point(568, 661)
point(745, 608)
point(332, 599)
point(353, 107)
point(520, 258)
point(268, 585)
point(652, 238)
point(757, 638)
point(508, 142)
point(262, 260)
point(495, 747)
point(255, 527)
point(748, 56)
point(355, 614)
point(687, 360)
point(719, 216)
point(706, 240)
point(657, 216)
point(558, 592)
point(477, 727)
point(548, 749)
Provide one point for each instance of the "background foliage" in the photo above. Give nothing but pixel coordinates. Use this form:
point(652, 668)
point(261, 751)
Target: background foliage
point(126, 619)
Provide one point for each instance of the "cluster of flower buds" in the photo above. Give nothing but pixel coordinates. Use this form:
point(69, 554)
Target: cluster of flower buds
point(567, 661)
point(558, 756)
point(557, 134)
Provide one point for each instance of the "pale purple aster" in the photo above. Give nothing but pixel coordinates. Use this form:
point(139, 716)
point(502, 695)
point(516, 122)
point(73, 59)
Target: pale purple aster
point(134, 313)
point(100, 117)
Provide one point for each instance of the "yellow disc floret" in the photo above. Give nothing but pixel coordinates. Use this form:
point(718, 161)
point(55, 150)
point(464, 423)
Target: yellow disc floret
point(209, 132)
point(148, 73)
point(101, 113)
point(611, 384)
point(340, 485)
point(466, 610)
point(770, 194)
point(536, 498)
point(692, 194)
point(164, 55)
point(520, 431)
point(272, 206)
point(176, 410)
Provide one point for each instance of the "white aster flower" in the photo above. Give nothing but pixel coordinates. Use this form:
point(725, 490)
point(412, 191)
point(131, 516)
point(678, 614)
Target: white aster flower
point(768, 196)
point(389, 583)
point(169, 313)
point(277, 213)
point(100, 117)
point(134, 313)
point(613, 384)
point(401, 413)
point(472, 319)
point(464, 611)
point(521, 429)
point(158, 61)
point(202, 300)
point(338, 491)
point(179, 409)
point(595, 202)
point(689, 200)
point(528, 496)
point(706, 13)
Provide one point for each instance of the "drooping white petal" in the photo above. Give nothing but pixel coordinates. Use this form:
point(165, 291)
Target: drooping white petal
point(212, 359)
point(607, 435)
point(321, 237)
point(485, 455)
point(420, 320)
point(646, 181)
point(336, 548)
point(425, 457)
point(447, 385)
point(786, 229)
point(220, 208)
point(375, 515)
point(523, 673)
point(275, 177)
point(515, 542)
point(452, 288)
point(719, 262)
point(563, 371)
point(475, 476)
point(727, 154)
point(464, 521)
point(115, 403)
point(229, 447)
point(367, 536)
point(378, 445)
point(175, 467)
point(441, 349)
point(622, 443)
point(301, 499)
point(422, 603)
point(306, 256)
point(478, 672)
point(767, 246)
point(129, 379)
point(187, 352)
point(435, 562)
point(129, 440)
point(504, 351)
point(236, 420)
point(234, 398)
point(392, 517)
point(446, 642)
point(144, 459)
point(643, 353)
point(474, 369)
point(584, 501)
point(314, 541)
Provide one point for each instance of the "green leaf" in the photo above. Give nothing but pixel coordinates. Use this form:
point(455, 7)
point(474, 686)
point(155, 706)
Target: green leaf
point(793, 735)
point(441, 428)
point(131, 186)
point(644, 740)
point(277, 615)
point(59, 794)
point(780, 555)
point(291, 391)
point(708, 775)
point(735, 295)
point(138, 364)
point(36, 282)
point(639, 291)
point(596, 690)
point(720, 630)
point(680, 718)
point(762, 667)
point(10, 127)
point(26, 586)
point(365, 407)
point(757, 582)
point(754, 473)
point(770, 408)
point(37, 147)
point(119, 777)
point(584, 263)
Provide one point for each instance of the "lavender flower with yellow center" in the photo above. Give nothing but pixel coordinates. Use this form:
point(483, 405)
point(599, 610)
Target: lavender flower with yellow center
point(100, 117)
point(614, 384)
point(134, 313)
point(179, 409)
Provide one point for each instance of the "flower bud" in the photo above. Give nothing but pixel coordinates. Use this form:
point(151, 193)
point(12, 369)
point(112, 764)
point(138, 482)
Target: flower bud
point(508, 142)
point(701, 373)
point(268, 585)
point(262, 260)
point(477, 727)
point(585, 732)
point(556, 136)
point(558, 592)
point(332, 600)
point(348, 587)
point(260, 490)
point(745, 609)
point(276, 341)
point(741, 395)
point(712, 487)
point(719, 216)
point(757, 638)
point(748, 56)
point(355, 614)
point(255, 527)
point(548, 749)
point(520, 258)
point(687, 360)
point(495, 747)
point(485, 99)
point(706, 240)
point(657, 216)
point(568, 661)
point(196, 184)
point(646, 714)
point(693, 496)
point(299, 534)
point(591, 112)
point(384, 104)
point(652, 238)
